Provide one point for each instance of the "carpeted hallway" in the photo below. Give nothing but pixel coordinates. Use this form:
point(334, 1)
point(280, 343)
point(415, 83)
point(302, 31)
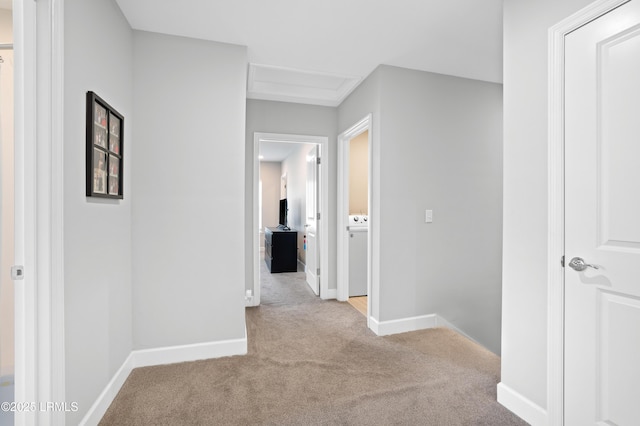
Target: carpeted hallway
point(314, 362)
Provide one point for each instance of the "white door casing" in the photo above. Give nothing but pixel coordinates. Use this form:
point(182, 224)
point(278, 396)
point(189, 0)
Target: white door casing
point(311, 255)
point(39, 184)
point(602, 226)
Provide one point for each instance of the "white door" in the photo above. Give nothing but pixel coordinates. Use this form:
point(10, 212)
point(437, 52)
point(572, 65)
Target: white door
point(602, 220)
point(311, 225)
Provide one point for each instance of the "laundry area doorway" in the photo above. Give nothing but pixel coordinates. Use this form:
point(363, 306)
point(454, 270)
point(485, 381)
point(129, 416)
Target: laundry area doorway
point(354, 201)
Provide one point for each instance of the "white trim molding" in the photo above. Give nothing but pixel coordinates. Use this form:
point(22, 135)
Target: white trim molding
point(403, 325)
point(39, 201)
point(26, 353)
point(101, 405)
point(273, 83)
point(556, 159)
point(523, 407)
point(421, 322)
point(160, 356)
point(194, 352)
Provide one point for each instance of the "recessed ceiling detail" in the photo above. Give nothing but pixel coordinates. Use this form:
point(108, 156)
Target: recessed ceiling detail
point(292, 85)
point(345, 39)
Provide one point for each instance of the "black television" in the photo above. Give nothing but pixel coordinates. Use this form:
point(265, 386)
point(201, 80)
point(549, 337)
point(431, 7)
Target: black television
point(283, 213)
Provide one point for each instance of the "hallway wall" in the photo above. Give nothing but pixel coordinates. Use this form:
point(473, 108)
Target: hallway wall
point(442, 150)
point(188, 191)
point(97, 232)
point(289, 118)
point(524, 314)
point(437, 144)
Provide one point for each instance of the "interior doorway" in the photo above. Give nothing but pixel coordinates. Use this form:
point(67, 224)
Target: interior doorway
point(354, 216)
point(302, 207)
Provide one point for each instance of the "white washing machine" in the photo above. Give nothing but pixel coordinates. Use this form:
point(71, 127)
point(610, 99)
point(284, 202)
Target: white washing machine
point(358, 231)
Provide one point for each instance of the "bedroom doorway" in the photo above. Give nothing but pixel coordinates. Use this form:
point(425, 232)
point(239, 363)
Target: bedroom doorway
point(311, 233)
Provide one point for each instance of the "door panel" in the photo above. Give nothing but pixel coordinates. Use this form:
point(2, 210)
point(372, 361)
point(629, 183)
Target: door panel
point(311, 226)
point(619, 153)
point(602, 207)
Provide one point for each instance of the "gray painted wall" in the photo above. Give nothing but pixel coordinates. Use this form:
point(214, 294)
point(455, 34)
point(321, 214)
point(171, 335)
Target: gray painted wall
point(289, 118)
point(437, 145)
point(97, 233)
point(524, 292)
point(442, 150)
point(188, 245)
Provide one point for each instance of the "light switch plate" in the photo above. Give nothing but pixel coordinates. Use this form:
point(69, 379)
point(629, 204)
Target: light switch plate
point(428, 216)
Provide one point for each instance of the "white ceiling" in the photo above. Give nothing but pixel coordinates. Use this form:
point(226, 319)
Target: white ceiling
point(277, 151)
point(340, 39)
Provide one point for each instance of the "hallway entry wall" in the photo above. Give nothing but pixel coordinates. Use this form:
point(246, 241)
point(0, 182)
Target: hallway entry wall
point(188, 191)
point(98, 307)
point(526, 167)
point(297, 119)
point(437, 145)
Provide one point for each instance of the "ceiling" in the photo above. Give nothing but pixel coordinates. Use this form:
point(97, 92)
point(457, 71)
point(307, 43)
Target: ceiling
point(318, 51)
point(277, 151)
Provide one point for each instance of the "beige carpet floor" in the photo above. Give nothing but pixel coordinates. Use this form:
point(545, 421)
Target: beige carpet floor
point(314, 362)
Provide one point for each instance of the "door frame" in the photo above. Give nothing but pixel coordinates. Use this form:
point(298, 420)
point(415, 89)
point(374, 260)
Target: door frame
point(39, 202)
point(323, 231)
point(342, 237)
point(556, 191)
point(315, 287)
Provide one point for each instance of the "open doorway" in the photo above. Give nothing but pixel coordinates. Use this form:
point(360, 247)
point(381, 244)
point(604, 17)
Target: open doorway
point(354, 207)
point(290, 204)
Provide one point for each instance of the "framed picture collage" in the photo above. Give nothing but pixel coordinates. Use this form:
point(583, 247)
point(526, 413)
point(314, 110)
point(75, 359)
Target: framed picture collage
point(104, 149)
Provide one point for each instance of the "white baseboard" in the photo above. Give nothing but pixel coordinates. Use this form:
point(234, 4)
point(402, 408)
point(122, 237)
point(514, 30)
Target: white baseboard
point(174, 354)
point(100, 406)
point(521, 406)
point(403, 325)
point(159, 356)
point(384, 328)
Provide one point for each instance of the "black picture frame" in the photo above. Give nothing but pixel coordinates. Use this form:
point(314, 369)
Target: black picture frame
point(105, 154)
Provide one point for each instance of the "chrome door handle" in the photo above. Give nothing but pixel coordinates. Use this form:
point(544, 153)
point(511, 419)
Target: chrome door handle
point(578, 264)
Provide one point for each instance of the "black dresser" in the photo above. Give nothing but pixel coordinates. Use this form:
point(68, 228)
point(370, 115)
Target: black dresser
point(281, 250)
